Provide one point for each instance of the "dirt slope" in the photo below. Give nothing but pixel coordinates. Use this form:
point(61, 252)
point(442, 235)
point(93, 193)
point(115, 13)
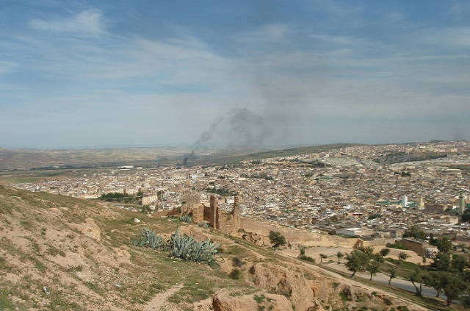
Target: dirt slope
point(61, 253)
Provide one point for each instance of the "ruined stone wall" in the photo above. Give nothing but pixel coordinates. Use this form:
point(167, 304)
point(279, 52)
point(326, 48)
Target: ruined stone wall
point(414, 246)
point(197, 213)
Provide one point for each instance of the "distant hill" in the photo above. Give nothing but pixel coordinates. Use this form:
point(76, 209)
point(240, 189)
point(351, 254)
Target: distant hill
point(24, 159)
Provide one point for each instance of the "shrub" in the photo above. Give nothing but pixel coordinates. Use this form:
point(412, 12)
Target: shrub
point(203, 224)
point(403, 256)
point(277, 239)
point(186, 218)
point(148, 238)
point(307, 258)
point(187, 248)
point(237, 262)
point(236, 274)
point(384, 252)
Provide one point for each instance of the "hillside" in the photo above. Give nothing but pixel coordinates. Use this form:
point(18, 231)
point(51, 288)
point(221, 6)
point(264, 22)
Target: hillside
point(25, 159)
point(60, 253)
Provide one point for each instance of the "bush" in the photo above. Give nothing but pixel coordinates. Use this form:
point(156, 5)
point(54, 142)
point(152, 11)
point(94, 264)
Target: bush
point(307, 258)
point(187, 248)
point(148, 238)
point(236, 274)
point(384, 252)
point(186, 218)
point(277, 239)
point(121, 197)
point(203, 224)
point(237, 262)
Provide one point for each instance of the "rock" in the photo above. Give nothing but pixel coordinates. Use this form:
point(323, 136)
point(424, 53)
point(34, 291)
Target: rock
point(290, 283)
point(89, 228)
point(136, 220)
point(223, 301)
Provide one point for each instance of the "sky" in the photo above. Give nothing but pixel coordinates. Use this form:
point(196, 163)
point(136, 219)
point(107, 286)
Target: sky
point(112, 73)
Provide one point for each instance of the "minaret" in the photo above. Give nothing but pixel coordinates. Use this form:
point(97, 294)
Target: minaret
point(462, 203)
point(236, 213)
point(421, 203)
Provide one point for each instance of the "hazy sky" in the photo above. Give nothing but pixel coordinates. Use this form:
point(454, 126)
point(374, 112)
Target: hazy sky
point(107, 73)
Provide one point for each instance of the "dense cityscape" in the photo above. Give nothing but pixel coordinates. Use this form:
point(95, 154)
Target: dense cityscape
point(363, 190)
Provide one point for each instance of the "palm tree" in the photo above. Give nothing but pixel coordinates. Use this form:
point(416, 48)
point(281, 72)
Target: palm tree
point(322, 256)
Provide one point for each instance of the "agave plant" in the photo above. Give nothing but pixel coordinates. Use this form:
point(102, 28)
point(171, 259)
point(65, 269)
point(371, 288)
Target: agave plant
point(148, 238)
point(186, 218)
point(187, 248)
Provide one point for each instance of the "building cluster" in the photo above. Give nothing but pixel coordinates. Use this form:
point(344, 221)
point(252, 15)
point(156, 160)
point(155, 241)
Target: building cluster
point(375, 191)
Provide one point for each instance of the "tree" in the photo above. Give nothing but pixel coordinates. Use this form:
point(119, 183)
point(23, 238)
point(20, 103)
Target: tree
point(443, 244)
point(378, 257)
point(384, 252)
point(466, 215)
point(434, 280)
point(452, 286)
point(392, 273)
point(302, 251)
point(322, 256)
point(277, 239)
point(442, 262)
point(415, 232)
point(417, 277)
point(459, 263)
point(373, 267)
point(368, 250)
point(403, 256)
point(356, 261)
point(339, 255)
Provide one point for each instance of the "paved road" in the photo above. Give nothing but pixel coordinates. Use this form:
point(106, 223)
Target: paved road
point(383, 279)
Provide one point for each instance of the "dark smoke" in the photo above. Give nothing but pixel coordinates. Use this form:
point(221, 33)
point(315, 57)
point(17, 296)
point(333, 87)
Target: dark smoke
point(240, 128)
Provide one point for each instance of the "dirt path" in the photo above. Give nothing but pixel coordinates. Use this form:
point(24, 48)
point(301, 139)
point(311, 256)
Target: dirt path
point(161, 300)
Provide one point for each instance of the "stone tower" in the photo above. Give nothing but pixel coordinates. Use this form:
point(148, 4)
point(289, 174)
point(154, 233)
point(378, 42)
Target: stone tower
point(236, 213)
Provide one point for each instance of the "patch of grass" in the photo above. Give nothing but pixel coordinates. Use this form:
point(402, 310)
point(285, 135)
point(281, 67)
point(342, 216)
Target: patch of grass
point(59, 303)
point(5, 302)
point(235, 250)
point(94, 287)
point(74, 268)
point(54, 251)
point(259, 299)
point(26, 224)
point(4, 265)
point(194, 290)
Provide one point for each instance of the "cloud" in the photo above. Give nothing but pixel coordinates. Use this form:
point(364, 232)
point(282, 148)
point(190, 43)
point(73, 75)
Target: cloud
point(459, 10)
point(88, 22)
point(264, 34)
point(451, 37)
point(6, 67)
